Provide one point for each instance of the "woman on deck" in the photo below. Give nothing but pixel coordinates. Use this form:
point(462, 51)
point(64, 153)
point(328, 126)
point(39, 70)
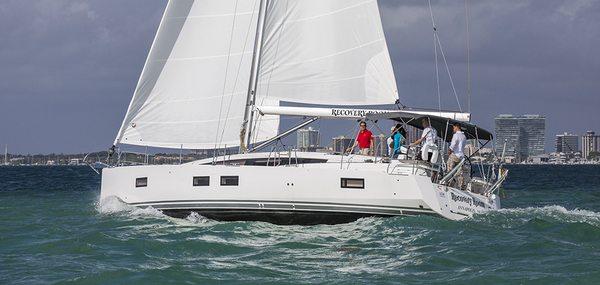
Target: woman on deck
point(397, 137)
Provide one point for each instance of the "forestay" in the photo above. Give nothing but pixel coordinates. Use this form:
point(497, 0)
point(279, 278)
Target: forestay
point(325, 52)
point(192, 89)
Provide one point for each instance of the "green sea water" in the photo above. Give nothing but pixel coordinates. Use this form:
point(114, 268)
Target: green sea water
point(53, 229)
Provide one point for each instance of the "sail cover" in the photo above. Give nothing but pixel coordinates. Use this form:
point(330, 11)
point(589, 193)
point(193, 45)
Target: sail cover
point(325, 52)
point(192, 91)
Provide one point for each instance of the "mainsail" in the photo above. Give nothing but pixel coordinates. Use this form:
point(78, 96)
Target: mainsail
point(192, 90)
point(326, 52)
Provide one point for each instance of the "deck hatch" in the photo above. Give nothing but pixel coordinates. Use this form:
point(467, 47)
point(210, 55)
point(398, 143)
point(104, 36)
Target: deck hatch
point(353, 183)
point(201, 181)
point(141, 182)
point(230, 180)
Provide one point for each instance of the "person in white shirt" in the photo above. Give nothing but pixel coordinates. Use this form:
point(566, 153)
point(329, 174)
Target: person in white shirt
point(456, 151)
point(428, 139)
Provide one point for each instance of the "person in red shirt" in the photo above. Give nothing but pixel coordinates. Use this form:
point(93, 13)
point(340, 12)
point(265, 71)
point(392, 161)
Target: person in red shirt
point(364, 140)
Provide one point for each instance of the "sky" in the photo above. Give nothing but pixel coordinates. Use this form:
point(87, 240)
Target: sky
point(68, 68)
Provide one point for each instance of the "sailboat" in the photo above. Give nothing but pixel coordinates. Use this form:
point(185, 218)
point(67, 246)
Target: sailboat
point(6, 155)
point(215, 78)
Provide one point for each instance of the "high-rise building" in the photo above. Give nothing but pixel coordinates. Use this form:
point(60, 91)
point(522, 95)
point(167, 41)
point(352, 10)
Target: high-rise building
point(590, 142)
point(307, 139)
point(533, 135)
point(341, 144)
point(524, 135)
point(507, 135)
point(567, 143)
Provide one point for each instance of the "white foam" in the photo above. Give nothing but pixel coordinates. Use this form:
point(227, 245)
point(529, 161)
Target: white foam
point(196, 218)
point(112, 205)
point(557, 212)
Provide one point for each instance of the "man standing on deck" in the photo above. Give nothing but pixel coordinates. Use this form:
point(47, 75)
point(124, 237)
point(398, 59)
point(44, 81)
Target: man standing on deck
point(428, 139)
point(364, 140)
point(456, 152)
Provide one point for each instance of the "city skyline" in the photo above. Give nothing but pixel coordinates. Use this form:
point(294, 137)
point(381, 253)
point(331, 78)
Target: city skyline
point(293, 140)
point(70, 73)
point(591, 144)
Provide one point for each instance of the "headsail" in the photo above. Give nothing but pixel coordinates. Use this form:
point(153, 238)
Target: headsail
point(326, 52)
point(191, 92)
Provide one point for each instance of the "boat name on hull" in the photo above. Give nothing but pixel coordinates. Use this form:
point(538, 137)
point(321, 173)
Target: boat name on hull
point(468, 200)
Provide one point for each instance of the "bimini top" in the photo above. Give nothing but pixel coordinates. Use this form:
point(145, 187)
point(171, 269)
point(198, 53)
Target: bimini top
point(440, 124)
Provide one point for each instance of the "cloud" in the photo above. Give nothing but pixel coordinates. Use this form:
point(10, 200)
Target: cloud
point(574, 7)
point(69, 67)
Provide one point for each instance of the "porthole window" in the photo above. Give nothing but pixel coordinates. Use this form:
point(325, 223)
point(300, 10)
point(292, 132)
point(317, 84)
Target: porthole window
point(230, 180)
point(201, 181)
point(141, 182)
point(353, 183)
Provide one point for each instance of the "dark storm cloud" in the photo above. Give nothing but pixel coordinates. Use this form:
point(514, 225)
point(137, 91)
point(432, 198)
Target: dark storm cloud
point(68, 68)
point(527, 57)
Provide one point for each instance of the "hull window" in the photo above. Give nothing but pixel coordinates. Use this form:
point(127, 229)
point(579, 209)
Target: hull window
point(141, 182)
point(201, 180)
point(353, 183)
point(230, 180)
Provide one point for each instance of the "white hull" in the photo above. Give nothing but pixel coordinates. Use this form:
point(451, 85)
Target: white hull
point(308, 193)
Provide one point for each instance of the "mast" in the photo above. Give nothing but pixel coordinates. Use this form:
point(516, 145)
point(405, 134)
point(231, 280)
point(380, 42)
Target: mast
point(246, 131)
point(5, 154)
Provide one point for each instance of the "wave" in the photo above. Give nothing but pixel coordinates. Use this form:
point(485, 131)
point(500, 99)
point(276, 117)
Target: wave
point(113, 205)
point(508, 216)
point(553, 212)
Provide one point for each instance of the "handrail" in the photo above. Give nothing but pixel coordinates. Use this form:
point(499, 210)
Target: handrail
point(89, 164)
point(452, 173)
point(495, 186)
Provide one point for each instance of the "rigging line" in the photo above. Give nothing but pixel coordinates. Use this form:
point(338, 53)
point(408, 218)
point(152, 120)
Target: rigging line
point(468, 36)
point(238, 73)
point(435, 51)
point(439, 43)
point(256, 126)
point(437, 76)
point(273, 67)
point(449, 73)
point(226, 73)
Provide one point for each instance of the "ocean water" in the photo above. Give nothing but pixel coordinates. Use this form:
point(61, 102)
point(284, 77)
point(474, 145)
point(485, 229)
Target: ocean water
point(54, 230)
